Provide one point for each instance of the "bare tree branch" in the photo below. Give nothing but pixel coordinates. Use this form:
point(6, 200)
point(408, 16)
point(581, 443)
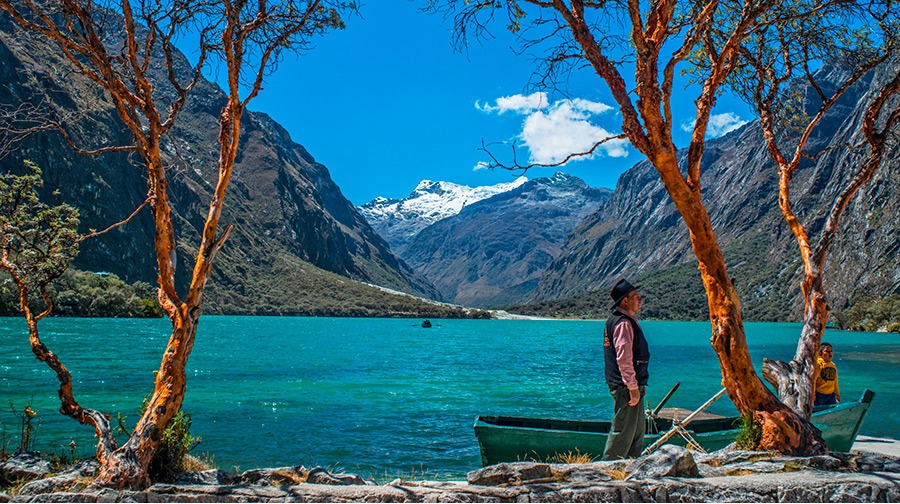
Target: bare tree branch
point(495, 163)
point(94, 234)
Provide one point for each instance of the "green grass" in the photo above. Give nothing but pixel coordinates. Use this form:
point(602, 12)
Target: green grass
point(749, 433)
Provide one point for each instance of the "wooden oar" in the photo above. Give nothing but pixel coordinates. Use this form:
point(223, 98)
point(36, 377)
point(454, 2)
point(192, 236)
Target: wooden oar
point(665, 399)
point(675, 426)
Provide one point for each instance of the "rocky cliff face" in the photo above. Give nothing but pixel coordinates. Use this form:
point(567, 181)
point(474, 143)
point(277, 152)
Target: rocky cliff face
point(639, 234)
point(493, 252)
point(291, 219)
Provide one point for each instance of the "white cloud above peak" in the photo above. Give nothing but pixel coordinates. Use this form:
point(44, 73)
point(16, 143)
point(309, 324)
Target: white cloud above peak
point(553, 131)
point(719, 124)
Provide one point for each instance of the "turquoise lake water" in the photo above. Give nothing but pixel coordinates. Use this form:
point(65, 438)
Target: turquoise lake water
point(385, 398)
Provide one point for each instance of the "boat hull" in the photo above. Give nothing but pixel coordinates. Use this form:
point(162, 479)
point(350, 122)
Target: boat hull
point(512, 439)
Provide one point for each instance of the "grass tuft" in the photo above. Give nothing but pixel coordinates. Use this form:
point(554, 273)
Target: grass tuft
point(749, 432)
point(415, 474)
point(282, 477)
point(573, 458)
point(559, 476)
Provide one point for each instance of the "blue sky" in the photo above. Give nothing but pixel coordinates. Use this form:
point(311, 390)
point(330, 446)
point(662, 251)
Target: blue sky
point(387, 102)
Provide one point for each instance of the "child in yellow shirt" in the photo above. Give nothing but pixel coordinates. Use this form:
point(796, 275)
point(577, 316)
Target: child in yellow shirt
point(827, 389)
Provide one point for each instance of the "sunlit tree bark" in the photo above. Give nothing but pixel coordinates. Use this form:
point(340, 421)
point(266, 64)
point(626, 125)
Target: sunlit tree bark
point(777, 75)
point(794, 380)
point(658, 38)
point(248, 39)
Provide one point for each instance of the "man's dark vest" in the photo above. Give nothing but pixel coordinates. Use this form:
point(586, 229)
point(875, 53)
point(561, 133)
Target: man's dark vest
point(639, 350)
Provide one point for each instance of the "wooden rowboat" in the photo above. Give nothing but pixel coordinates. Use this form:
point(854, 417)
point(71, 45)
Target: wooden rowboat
point(512, 439)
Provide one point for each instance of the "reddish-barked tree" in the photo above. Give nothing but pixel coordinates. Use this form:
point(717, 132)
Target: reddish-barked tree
point(116, 45)
point(860, 45)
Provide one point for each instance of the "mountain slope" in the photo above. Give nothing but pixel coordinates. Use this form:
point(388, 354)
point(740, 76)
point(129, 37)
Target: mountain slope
point(638, 233)
point(290, 217)
point(494, 251)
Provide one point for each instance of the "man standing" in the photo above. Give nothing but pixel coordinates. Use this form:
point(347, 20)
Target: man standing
point(626, 356)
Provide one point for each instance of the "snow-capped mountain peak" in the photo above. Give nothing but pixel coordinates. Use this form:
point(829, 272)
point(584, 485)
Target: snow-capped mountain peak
point(430, 201)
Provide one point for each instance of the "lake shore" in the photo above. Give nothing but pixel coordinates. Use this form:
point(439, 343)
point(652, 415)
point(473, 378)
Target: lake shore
point(879, 446)
point(385, 398)
point(870, 473)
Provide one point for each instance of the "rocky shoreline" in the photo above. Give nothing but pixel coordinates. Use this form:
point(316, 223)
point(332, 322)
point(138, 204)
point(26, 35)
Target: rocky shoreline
point(671, 474)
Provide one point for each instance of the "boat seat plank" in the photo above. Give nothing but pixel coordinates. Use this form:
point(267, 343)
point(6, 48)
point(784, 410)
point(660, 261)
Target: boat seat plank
point(682, 413)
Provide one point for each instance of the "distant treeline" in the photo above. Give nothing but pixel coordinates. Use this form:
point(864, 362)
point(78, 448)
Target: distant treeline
point(674, 295)
point(871, 314)
point(88, 294)
point(671, 294)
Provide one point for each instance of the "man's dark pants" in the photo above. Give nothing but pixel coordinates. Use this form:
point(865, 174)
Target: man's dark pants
point(626, 435)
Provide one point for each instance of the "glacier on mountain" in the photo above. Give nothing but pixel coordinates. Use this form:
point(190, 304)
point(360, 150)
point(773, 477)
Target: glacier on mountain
point(399, 220)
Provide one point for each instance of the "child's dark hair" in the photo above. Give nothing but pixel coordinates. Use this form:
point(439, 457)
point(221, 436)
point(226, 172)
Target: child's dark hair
point(825, 344)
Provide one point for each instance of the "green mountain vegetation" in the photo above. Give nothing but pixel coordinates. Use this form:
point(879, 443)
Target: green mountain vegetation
point(87, 294)
point(676, 292)
point(870, 314)
point(294, 287)
point(672, 294)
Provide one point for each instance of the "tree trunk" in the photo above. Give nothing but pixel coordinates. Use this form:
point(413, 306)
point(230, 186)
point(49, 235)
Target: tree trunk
point(128, 466)
point(794, 380)
point(106, 441)
point(782, 429)
point(69, 406)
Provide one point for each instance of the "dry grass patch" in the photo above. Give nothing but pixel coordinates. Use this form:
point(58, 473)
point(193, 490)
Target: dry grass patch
point(286, 477)
point(13, 489)
point(573, 458)
point(191, 463)
point(740, 472)
point(559, 476)
point(80, 484)
point(616, 474)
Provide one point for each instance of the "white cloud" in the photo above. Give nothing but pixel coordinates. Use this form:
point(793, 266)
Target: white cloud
point(589, 106)
point(553, 131)
point(719, 124)
point(565, 129)
point(516, 103)
point(481, 165)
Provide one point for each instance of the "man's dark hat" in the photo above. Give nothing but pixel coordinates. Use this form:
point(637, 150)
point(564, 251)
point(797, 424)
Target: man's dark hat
point(622, 289)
